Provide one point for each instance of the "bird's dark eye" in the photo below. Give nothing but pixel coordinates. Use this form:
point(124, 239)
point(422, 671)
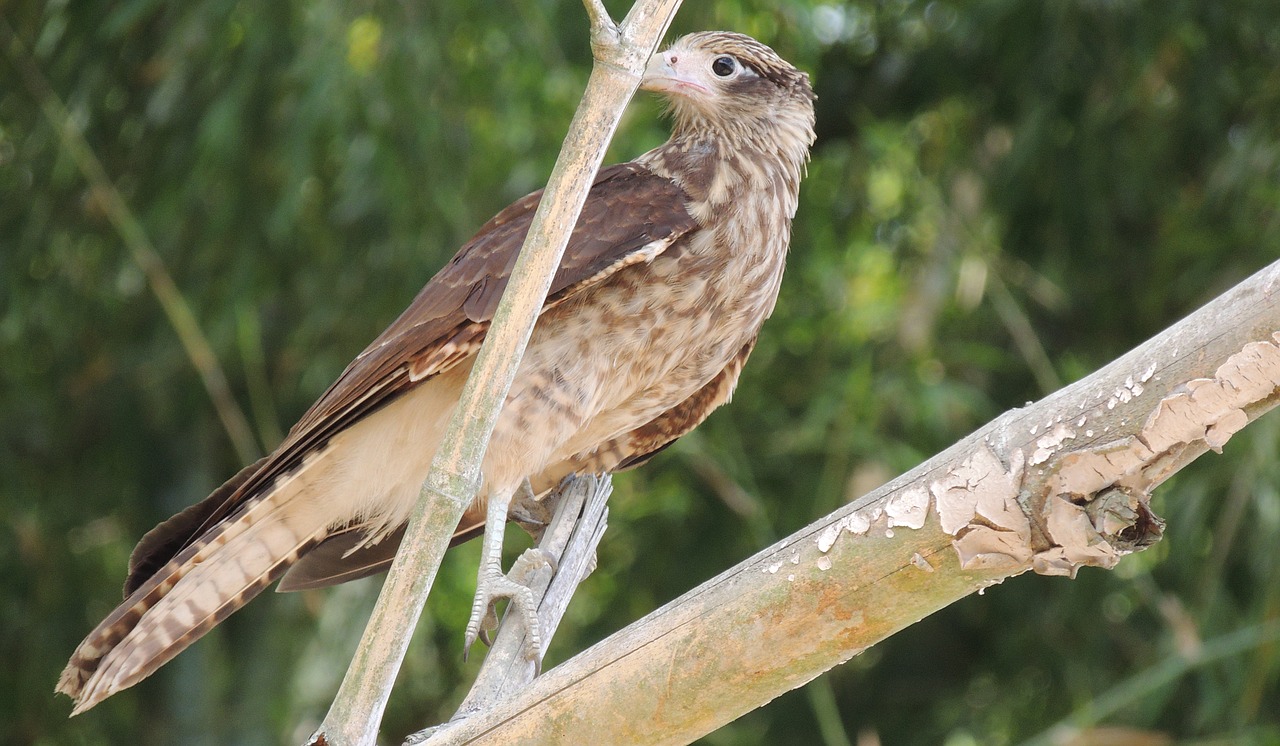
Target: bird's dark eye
point(724, 66)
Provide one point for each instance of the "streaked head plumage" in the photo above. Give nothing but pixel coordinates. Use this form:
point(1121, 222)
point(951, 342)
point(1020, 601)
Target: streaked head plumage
point(734, 86)
point(717, 73)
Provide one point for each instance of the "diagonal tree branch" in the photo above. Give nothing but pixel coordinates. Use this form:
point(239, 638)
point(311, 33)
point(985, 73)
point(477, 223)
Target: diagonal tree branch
point(620, 53)
point(1050, 487)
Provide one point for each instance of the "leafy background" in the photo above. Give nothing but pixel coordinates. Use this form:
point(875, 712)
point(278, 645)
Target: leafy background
point(1005, 195)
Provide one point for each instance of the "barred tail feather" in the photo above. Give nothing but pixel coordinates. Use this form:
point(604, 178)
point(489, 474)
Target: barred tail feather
point(200, 587)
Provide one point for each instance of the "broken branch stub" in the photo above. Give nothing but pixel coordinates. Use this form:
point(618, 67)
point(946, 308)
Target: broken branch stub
point(1082, 495)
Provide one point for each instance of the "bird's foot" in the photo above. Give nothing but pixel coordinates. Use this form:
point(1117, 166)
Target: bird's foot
point(492, 586)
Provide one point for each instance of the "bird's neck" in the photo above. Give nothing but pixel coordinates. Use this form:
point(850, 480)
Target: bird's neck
point(718, 166)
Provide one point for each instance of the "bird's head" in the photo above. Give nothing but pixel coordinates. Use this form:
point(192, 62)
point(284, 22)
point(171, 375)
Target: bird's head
point(729, 82)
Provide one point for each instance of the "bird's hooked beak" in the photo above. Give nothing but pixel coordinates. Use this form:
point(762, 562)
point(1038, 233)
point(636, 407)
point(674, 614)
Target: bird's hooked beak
point(672, 72)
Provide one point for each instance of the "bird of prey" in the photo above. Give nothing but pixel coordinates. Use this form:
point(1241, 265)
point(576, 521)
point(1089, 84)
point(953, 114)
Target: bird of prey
point(669, 273)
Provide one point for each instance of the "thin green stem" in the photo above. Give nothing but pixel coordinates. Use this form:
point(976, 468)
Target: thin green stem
point(131, 232)
point(1142, 684)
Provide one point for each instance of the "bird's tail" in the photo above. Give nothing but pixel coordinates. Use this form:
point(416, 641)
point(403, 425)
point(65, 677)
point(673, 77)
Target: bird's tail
point(220, 572)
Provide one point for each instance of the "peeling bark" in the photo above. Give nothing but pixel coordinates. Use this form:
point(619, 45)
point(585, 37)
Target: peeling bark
point(1201, 413)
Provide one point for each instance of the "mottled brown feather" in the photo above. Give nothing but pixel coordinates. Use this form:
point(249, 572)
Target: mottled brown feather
point(345, 555)
point(641, 444)
point(649, 439)
point(445, 324)
point(161, 543)
point(342, 557)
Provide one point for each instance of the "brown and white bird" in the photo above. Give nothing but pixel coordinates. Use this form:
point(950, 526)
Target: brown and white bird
point(671, 270)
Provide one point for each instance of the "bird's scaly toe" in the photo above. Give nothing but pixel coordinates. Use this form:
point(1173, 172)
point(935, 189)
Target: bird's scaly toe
point(493, 586)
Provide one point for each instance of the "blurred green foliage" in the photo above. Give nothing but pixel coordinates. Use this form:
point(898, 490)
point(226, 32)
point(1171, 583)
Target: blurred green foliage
point(1005, 195)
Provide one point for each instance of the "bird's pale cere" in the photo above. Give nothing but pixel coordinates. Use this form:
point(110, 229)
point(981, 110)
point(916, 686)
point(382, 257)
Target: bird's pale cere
point(673, 267)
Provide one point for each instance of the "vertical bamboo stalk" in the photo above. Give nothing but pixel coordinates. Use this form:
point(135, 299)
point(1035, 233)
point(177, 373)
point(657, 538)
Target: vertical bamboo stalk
point(621, 53)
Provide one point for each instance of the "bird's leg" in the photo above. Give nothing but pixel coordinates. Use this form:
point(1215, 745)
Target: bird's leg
point(492, 584)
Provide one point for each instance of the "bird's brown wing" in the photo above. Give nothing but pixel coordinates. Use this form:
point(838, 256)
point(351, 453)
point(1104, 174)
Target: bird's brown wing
point(630, 216)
